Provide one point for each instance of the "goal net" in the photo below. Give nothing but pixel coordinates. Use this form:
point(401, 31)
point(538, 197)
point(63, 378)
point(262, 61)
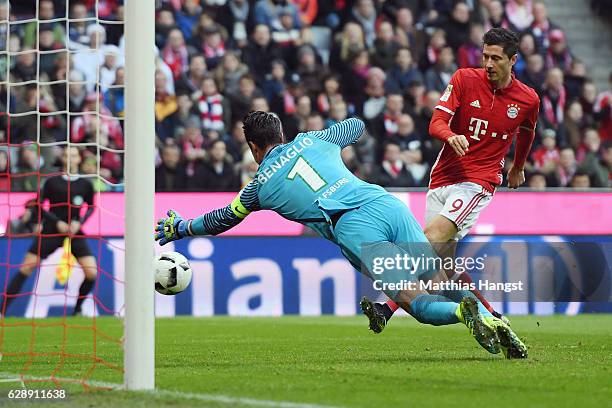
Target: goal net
point(61, 210)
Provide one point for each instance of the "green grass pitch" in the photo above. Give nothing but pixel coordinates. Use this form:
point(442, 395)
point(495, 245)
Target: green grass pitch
point(329, 361)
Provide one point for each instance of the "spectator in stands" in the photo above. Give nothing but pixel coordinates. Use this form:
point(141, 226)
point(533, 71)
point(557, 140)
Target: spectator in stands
point(46, 11)
point(25, 67)
point(534, 74)
point(269, 12)
point(385, 46)
point(165, 107)
point(392, 171)
point(190, 82)
point(404, 72)
point(212, 107)
point(212, 45)
point(275, 84)
point(331, 94)
point(242, 99)
point(405, 30)
point(345, 47)
point(338, 111)
point(109, 66)
point(385, 124)
point(606, 162)
point(311, 72)
point(575, 78)
point(287, 36)
point(436, 43)
point(216, 173)
point(355, 80)
point(541, 26)
point(457, 27)
point(602, 108)
point(351, 161)
point(314, 122)
point(590, 159)
point(574, 123)
point(77, 32)
point(364, 14)
point(88, 62)
point(553, 100)
point(375, 92)
point(26, 177)
point(527, 48)
point(184, 114)
point(235, 142)
point(163, 25)
point(188, 17)
point(237, 18)
point(114, 98)
point(469, 54)
point(567, 167)
point(411, 146)
point(48, 44)
point(496, 16)
point(520, 14)
point(558, 55)
point(174, 54)
point(170, 174)
point(247, 168)
point(580, 180)
point(588, 97)
point(260, 53)
point(260, 103)
point(546, 157)
point(537, 181)
point(229, 71)
point(438, 76)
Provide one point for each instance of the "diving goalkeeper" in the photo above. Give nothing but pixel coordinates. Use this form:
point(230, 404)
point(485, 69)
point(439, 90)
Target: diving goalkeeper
point(306, 181)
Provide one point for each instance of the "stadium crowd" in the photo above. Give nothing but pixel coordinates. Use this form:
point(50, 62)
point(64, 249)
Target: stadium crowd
point(312, 62)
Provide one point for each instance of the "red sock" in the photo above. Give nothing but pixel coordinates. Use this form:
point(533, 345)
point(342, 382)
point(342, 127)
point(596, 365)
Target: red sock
point(392, 305)
point(466, 278)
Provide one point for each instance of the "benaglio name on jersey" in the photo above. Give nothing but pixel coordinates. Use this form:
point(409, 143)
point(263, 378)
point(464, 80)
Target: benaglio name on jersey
point(289, 154)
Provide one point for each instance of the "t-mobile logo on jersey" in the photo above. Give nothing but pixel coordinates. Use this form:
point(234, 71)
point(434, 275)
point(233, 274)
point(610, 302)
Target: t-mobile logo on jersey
point(479, 128)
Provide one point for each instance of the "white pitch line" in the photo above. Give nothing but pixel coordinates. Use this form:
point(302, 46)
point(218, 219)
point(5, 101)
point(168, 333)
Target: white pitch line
point(223, 399)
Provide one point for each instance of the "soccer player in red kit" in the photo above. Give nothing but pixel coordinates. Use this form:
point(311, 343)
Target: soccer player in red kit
point(477, 118)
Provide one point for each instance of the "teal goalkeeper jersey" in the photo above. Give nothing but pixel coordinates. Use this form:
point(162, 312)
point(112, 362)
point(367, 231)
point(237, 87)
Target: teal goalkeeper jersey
point(304, 181)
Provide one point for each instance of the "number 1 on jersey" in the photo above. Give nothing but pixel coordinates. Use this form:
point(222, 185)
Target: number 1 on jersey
point(303, 169)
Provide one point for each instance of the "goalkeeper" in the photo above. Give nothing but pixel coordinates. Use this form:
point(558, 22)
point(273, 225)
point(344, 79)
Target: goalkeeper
point(306, 181)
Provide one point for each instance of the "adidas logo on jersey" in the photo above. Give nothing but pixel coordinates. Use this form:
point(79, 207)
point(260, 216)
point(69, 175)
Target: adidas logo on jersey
point(475, 104)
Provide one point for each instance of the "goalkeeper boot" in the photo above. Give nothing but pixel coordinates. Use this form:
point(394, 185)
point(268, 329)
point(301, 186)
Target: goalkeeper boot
point(510, 344)
point(374, 313)
point(483, 330)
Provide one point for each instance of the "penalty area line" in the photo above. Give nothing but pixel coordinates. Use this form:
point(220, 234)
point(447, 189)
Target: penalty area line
point(219, 398)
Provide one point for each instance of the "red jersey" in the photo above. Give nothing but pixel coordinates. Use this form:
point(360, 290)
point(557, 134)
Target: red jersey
point(489, 118)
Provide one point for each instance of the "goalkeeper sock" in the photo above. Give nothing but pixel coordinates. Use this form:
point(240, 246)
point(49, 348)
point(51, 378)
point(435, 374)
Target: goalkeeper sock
point(83, 292)
point(434, 309)
point(13, 288)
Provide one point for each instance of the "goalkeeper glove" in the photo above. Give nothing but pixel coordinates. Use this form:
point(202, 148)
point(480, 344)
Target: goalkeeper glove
point(171, 228)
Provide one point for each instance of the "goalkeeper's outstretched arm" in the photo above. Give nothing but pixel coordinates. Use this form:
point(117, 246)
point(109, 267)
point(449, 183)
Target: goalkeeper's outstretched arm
point(213, 223)
point(342, 133)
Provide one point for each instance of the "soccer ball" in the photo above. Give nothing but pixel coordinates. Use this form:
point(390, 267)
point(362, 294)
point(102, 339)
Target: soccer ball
point(172, 273)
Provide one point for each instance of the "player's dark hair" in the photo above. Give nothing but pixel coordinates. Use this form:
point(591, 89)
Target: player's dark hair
point(263, 129)
point(507, 39)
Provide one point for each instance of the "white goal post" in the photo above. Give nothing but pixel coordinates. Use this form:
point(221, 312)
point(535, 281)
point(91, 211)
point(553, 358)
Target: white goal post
point(139, 324)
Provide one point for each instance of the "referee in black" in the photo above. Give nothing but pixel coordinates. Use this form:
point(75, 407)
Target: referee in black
point(67, 195)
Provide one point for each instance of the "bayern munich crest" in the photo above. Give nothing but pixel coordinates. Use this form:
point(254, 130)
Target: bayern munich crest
point(513, 110)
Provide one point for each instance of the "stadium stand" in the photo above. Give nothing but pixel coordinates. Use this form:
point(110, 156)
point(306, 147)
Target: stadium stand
point(313, 63)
